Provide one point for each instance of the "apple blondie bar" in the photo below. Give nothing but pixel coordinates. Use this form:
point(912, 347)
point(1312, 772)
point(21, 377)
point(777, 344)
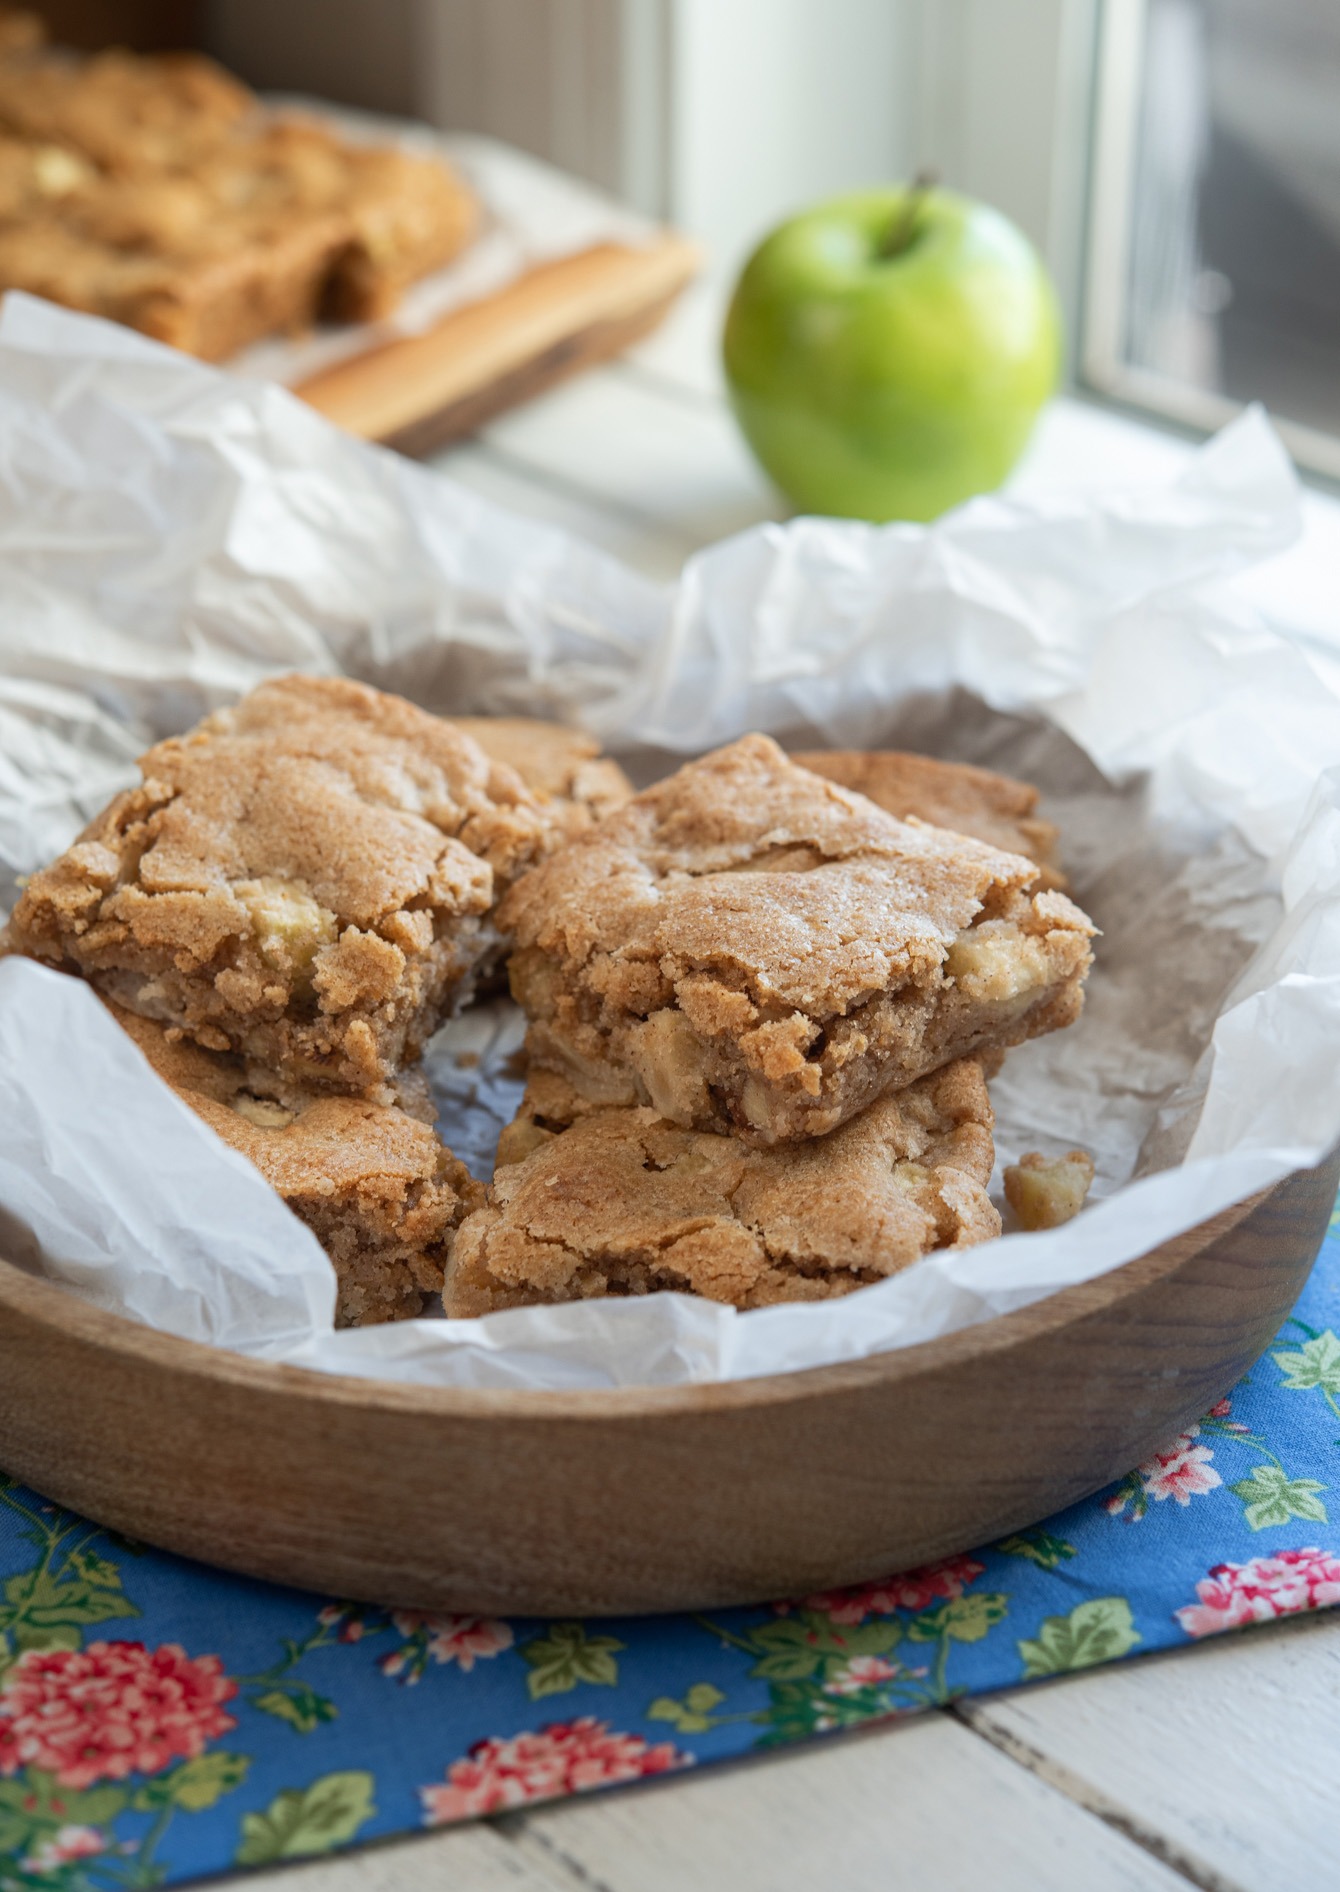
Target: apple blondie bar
point(563, 767)
point(155, 191)
point(748, 947)
point(307, 879)
point(990, 807)
point(372, 1182)
point(625, 1203)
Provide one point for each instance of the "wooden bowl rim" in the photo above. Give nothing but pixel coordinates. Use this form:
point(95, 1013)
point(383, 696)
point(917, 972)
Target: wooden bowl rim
point(48, 1304)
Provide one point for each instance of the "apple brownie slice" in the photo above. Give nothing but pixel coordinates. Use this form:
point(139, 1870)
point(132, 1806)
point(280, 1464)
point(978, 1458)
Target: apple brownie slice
point(625, 1203)
point(308, 879)
point(747, 947)
point(990, 807)
point(372, 1182)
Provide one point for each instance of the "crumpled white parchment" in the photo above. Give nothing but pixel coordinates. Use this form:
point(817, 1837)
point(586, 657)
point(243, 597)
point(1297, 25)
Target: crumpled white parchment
point(169, 535)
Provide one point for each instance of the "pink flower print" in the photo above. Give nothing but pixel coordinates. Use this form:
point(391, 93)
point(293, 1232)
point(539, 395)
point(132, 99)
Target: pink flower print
point(1220, 1409)
point(564, 1757)
point(460, 1639)
point(349, 1620)
point(912, 1590)
point(1283, 1585)
point(1181, 1471)
point(66, 1845)
point(861, 1672)
point(111, 1709)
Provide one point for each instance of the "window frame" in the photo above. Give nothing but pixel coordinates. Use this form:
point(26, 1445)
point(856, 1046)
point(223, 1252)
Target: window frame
point(1101, 317)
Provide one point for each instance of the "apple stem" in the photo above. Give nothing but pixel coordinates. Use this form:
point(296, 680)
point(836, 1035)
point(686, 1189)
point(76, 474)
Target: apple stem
point(903, 228)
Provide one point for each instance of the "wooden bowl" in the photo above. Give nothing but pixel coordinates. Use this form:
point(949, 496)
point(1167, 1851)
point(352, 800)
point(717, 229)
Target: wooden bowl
point(601, 1503)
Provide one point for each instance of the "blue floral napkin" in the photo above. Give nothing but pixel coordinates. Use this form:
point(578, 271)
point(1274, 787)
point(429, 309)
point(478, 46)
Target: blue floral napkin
point(159, 1720)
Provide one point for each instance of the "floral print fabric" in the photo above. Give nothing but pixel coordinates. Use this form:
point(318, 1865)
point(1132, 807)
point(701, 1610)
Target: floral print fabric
point(160, 1721)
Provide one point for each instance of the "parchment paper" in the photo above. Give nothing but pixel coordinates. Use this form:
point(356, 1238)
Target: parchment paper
point(169, 535)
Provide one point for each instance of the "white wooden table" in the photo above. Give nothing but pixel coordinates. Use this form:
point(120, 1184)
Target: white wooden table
point(1217, 1767)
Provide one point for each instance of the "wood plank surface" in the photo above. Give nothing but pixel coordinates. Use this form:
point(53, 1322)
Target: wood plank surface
point(475, 1858)
point(416, 393)
point(1228, 1757)
point(919, 1805)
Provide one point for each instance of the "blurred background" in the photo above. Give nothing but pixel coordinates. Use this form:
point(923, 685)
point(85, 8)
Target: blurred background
point(1176, 161)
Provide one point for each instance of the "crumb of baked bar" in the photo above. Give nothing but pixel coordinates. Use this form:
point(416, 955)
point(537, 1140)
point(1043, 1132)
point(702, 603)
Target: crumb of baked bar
point(563, 767)
point(380, 1193)
point(549, 1105)
point(748, 948)
point(308, 879)
point(1045, 1193)
point(625, 1203)
point(990, 807)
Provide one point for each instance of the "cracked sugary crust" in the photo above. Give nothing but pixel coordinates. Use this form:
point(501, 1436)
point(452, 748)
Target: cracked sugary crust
point(562, 767)
point(751, 949)
point(991, 808)
point(377, 1189)
point(626, 1203)
point(307, 879)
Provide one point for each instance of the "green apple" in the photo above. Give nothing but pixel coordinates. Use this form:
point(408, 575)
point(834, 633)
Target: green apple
point(887, 353)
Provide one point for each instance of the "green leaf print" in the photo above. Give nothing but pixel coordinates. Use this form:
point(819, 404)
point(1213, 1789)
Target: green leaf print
point(1313, 1366)
point(43, 1611)
point(1093, 1632)
point(95, 1570)
point(797, 1647)
point(195, 1785)
point(67, 1590)
point(35, 1805)
point(1037, 1547)
point(1270, 1497)
point(296, 1703)
point(692, 1715)
point(961, 1618)
point(315, 1819)
point(569, 1655)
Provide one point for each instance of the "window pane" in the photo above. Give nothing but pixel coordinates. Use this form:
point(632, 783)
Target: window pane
point(1234, 256)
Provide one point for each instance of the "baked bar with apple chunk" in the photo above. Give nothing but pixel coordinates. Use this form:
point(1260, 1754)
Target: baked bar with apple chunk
point(748, 948)
point(372, 1182)
point(563, 767)
point(157, 191)
point(990, 807)
point(308, 879)
point(625, 1203)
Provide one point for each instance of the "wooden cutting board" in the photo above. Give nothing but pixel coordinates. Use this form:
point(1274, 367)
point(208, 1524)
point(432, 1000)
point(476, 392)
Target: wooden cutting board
point(419, 393)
